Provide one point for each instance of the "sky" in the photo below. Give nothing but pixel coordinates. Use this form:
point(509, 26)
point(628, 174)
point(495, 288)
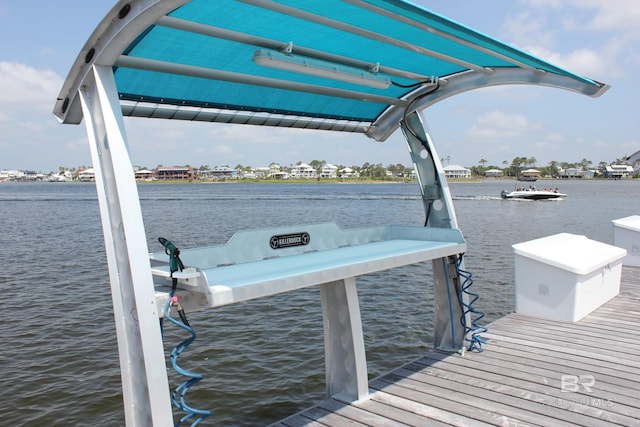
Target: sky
point(600, 39)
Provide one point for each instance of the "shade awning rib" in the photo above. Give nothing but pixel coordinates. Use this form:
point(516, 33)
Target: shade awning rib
point(248, 79)
point(363, 32)
point(440, 33)
point(249, 39)
point(352, 66)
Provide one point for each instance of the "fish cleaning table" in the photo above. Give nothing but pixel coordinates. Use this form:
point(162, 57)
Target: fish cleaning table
point(259, 263)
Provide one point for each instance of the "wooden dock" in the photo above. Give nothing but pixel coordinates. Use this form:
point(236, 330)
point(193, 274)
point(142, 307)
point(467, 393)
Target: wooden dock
point(532, 372)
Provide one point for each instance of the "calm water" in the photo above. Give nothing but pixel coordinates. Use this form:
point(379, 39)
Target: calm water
point(263, 359)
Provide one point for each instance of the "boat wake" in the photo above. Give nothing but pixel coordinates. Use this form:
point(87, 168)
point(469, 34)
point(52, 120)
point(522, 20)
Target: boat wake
point(476, 198)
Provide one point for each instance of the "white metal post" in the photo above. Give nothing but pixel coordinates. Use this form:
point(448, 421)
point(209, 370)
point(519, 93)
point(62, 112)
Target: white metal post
point(431, 177)
point(144, 378)
point(449, 334)
point(345, 359)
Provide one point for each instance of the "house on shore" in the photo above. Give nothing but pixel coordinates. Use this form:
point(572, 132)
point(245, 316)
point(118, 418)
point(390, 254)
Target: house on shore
point(220, 173)
point(143, 174)
point(303, 170)
point(575, 173)
point(494, 173)
point(349, 173)
point(329, 171)
point(11, 175)
point(618, 171)
point(457, 171)
point(532, 174)
point(86, 175)
point(173, 172)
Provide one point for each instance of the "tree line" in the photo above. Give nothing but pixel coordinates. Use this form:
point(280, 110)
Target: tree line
point(377, 170)
point(551, 169)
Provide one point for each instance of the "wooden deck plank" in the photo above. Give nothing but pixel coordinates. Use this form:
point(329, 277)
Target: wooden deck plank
point(428, 415)
point(587, 324)
point(516, 354)
point(521, 372)
point(518, 378)
point(404, 417)
point(561, 349)
point(588, 327)
point(353, 412)
point(330, 419)
point(610, 344)
point(503, 398)
point(538, 391)
point(476, 400)
point(527, 391)
point(298, 421)
point(456, 408)
point(545, 382)
point(578, 334)
point(624, 350)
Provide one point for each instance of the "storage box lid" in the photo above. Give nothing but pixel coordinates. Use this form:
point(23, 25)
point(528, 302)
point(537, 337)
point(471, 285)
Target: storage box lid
point(570, 252)
point(631, 222)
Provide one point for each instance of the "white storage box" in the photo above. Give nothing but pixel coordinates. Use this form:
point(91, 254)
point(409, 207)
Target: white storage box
point(626, 235)
point(565, 276)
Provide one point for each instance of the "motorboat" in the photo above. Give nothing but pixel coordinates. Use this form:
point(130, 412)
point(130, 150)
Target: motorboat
point(532, 194)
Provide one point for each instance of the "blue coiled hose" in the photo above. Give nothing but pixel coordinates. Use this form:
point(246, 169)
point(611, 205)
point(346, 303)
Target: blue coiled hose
point(473, 331)
point(178, 395)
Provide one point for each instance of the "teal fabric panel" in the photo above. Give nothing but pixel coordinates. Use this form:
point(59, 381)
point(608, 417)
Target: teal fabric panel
point(393, 39)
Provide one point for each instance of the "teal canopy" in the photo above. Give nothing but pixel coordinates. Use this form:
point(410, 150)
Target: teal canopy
point(352, 65)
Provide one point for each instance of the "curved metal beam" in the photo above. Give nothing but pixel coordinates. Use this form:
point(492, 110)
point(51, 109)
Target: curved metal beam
point(389, 121)
point(116, 31)
point(218, 115)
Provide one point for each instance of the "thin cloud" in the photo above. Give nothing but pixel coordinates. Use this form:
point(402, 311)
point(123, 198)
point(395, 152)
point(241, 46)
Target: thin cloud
point(22, 85)
point(551, 28)
point(556, 137)
point(222, 149)
point(499, 125)
point(623, 17)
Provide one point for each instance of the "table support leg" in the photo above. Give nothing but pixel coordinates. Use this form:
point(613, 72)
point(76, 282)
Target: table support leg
point(346, 364)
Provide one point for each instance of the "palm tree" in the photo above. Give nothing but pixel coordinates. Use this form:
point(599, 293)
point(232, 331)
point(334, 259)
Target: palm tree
point(531, 161)
point(602, 167)
point(366, 169)
point(516, 163)
point(317, 165)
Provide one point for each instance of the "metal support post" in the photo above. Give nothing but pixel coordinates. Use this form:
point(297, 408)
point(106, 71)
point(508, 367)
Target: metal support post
point(439, 212)
point(434, 188)
point(142, 364)
point(345, 359)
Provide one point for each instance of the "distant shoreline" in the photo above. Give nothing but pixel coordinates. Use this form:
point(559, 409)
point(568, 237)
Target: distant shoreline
point(477, 180)
point(327, 181)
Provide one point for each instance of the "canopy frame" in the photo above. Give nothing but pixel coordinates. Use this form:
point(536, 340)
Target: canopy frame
point(122, 29)
point(95, 91)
